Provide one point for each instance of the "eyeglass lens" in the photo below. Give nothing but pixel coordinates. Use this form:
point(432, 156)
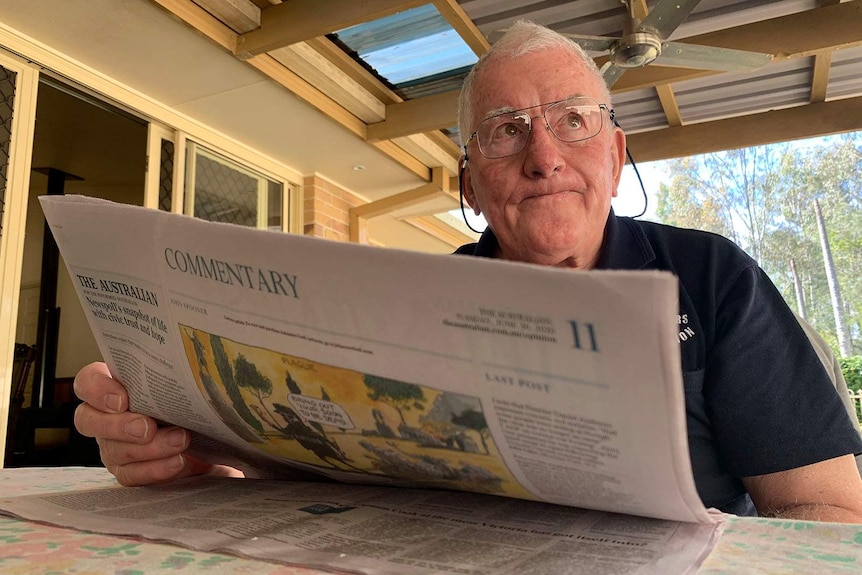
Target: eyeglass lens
point(570, 120)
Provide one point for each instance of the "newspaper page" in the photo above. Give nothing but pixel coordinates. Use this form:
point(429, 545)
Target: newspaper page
point(382, 366)
point(380, 530)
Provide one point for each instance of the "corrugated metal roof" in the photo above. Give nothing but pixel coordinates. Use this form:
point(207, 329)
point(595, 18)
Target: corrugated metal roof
point(845, 79)
point(417, 52)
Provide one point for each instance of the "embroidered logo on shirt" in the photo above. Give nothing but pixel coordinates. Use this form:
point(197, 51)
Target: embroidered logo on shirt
point(685, 331)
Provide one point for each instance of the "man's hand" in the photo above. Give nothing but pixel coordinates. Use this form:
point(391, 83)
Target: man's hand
point(131, 445)
point(830, 490)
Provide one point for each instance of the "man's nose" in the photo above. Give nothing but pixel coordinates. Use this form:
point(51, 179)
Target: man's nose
point(543, 153)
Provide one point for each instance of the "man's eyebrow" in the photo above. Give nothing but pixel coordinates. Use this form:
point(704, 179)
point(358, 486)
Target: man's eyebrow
point(497, 112)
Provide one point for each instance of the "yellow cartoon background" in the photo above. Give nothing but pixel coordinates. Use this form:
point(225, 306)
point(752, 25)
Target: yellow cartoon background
point(335, 418)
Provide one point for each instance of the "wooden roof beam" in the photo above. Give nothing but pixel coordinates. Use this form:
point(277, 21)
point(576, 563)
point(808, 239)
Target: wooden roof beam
point(359, 216)
point(820, 77)
point(806, 121)
point(463, 25)
point(240, 15)
point(822, 66)
point(669, 105)
point(300, 20)
point(843, 22)
point(416, 116)
point(207, 24)
point(664, 91)
point(793, 36)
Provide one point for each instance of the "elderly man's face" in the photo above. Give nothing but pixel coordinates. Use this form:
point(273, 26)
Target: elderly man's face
point(548, 203)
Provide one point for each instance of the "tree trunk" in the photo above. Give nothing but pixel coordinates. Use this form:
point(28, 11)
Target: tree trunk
point(797, 289)
point(834, 290)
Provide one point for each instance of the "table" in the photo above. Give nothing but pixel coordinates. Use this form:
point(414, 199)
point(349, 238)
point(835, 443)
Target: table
point(749, 546)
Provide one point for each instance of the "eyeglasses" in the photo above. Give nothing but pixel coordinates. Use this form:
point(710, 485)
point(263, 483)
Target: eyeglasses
point(570, 120)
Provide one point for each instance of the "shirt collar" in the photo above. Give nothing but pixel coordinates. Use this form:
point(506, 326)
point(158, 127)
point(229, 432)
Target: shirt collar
point(625, 245)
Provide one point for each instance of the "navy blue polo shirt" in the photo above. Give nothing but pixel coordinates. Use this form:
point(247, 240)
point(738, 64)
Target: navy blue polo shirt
point(758, 399)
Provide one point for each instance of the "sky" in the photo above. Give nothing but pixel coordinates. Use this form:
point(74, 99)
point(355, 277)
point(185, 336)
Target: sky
point(630, 199)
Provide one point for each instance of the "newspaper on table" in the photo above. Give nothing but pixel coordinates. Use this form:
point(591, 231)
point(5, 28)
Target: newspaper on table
point(290, 356)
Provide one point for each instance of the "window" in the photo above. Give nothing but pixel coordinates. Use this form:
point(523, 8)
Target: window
point(219, 189)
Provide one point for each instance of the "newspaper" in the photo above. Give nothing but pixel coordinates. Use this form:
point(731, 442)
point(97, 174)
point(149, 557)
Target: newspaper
point(383, 531)
point(289, 356)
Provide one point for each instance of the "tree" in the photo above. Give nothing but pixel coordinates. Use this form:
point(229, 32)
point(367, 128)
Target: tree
point(475, 420)
point(762, 199)
point(225, 371)
point(731, 193)
point(832, 281)
point(249, 377)
point(292, 385)
point(400, 395)
point(677, 206)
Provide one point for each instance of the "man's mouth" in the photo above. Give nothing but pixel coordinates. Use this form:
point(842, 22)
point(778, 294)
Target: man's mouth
point(537, 195)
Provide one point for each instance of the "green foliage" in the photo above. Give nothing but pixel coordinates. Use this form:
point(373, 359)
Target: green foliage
point(399, 394)
point(851, 367)
point(762, 198)
point(292, 385)
point(475, 420)
point(225, 371)
point(248, 376)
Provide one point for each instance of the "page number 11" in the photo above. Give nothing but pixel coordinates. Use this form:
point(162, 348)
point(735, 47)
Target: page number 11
point(584, 336)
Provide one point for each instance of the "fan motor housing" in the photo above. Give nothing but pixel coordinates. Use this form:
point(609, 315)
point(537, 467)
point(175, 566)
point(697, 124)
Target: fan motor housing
point(636, 50)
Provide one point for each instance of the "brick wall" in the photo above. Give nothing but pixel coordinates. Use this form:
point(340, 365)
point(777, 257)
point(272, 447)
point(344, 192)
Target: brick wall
point(326, 209)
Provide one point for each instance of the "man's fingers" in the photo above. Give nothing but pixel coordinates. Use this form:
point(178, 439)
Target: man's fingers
point(126, 427)
point(95, 386)
point(150, 472)
point(168, 469)
point(167, 442)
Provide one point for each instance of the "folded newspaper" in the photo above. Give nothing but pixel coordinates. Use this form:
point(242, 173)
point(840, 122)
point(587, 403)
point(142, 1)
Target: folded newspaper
point(295, 357)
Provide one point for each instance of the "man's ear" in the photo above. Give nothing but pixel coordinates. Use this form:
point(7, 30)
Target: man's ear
point(467, 186)
point(618, 154)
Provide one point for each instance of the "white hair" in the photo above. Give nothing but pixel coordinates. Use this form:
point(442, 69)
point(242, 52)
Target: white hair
point(521, 38)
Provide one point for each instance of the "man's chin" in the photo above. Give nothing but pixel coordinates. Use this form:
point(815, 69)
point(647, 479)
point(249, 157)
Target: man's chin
point(546, 250)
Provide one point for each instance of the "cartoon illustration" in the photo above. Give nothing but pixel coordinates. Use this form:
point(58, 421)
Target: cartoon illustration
point(342, 420)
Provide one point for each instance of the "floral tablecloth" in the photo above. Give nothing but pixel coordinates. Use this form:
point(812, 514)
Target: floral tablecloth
point(749, 546)
point(28, 548)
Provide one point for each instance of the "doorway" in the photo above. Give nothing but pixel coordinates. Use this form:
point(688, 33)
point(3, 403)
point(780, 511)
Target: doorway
point(82, 145)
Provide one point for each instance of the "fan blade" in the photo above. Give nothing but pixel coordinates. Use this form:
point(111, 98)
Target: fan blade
point(667, 15)
point(592, 43)
point(679, 55)
point(611, 73)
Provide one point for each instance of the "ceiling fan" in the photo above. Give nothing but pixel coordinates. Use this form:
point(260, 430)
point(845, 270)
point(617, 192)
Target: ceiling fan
point(643, 43)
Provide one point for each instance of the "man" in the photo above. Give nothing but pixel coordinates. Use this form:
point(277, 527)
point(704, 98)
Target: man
point(542, 161)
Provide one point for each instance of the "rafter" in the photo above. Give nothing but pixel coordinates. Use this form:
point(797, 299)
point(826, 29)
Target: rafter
point(669, 105)
point(820, 77)
point(458, 19)
point(299, 20)
point(792, 36)
point(805, 121)
point(664, 91)
point(240, 15)
point(352, 68)
point(414, 116)
point(821, 68)
point(359, 216)
point(206, 23)
point(323, 74)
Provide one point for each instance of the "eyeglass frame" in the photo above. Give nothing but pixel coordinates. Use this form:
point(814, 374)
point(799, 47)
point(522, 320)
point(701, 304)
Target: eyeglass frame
point(547, 105)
